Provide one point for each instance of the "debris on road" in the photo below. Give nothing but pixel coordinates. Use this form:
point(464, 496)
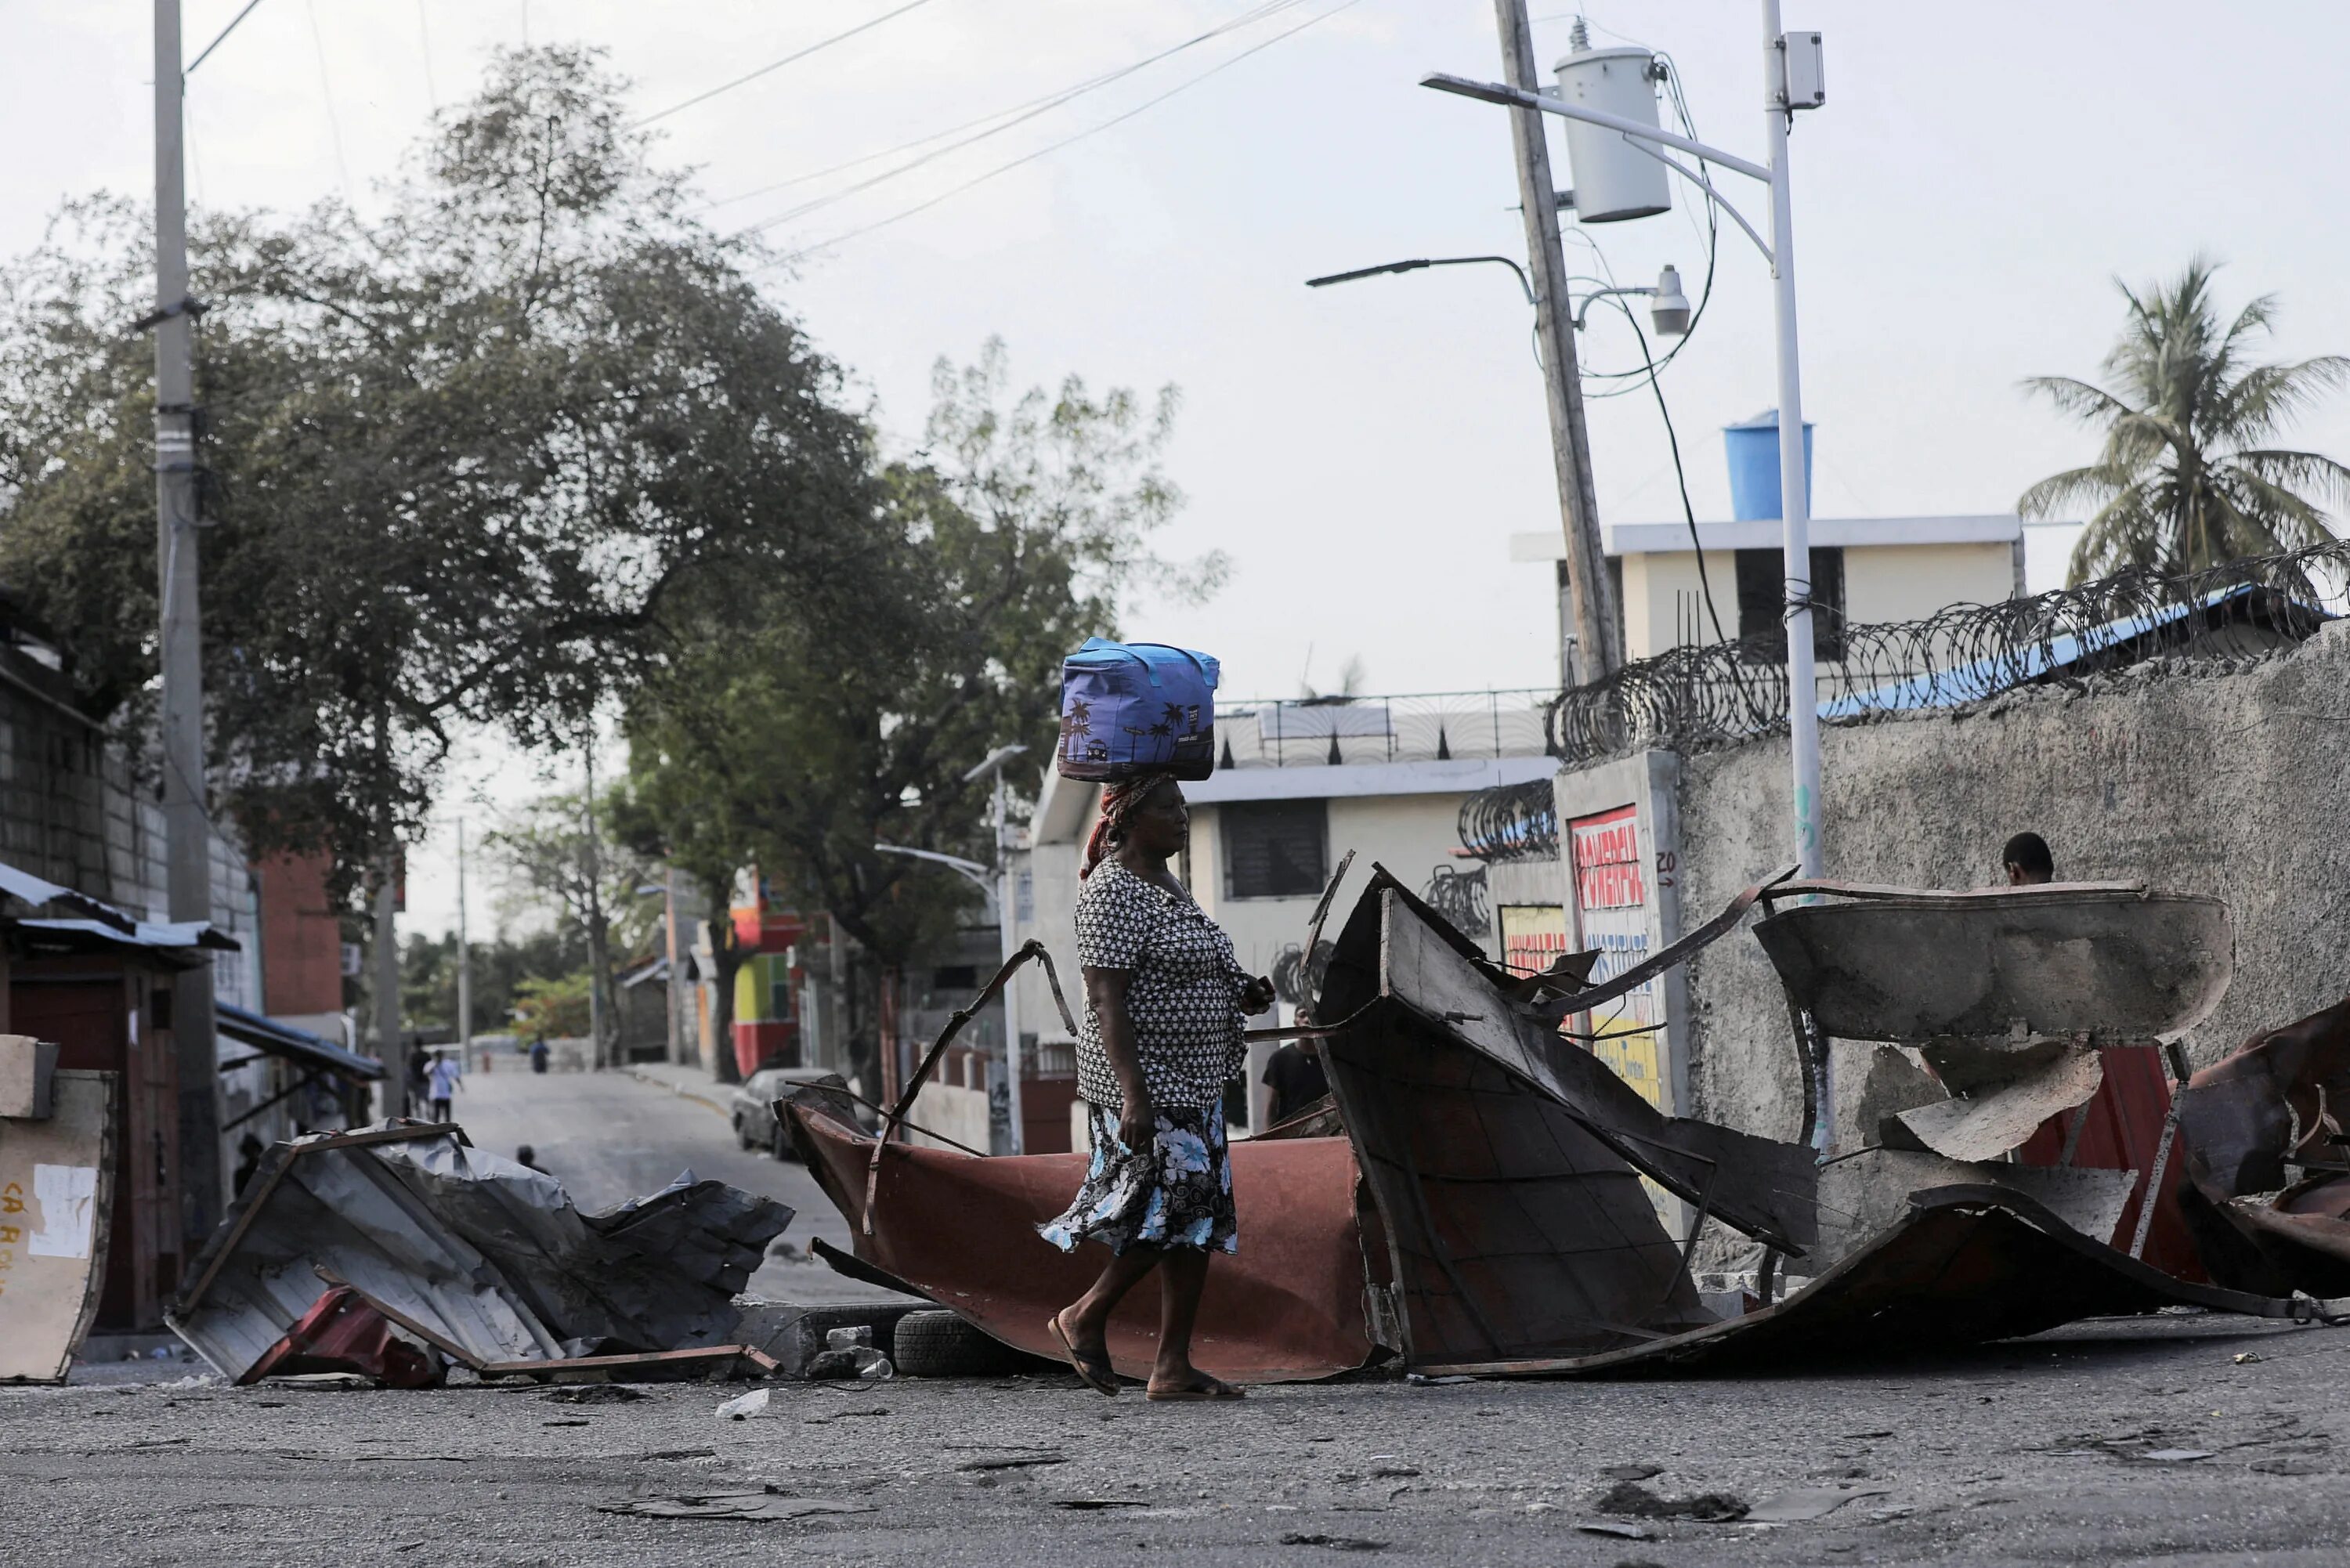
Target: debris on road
point(476, 1258)
point(743, 1406)
point(733, 1505)
point(1632, 1499)
point(593, 1394)
point(1616, 1528)
point(1807, 1503)
point(2268, 1194)
point(1336, 1542)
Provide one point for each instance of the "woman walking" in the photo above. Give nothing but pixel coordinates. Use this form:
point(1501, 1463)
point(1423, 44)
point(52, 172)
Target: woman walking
point(1164, 999)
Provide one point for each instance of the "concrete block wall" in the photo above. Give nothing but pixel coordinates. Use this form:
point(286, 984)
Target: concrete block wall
point(2226, 779)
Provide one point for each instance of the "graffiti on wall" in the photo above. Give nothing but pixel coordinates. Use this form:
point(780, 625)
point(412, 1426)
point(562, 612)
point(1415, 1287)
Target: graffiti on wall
point(1611, 895)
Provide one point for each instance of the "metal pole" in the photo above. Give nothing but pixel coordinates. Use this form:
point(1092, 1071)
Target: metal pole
point(1795, 500)
point(187, 834)
point(465, 962)
point(387, 991)
point(669, 918)
point(1012, 1064)
point(1587, 585)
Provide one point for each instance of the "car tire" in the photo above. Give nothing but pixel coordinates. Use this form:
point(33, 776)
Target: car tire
point(741, 1137)
point(942, 1345)
point(781, 1145)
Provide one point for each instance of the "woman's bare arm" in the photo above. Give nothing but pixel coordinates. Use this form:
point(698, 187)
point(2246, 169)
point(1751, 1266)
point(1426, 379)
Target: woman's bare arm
point(1106, 991)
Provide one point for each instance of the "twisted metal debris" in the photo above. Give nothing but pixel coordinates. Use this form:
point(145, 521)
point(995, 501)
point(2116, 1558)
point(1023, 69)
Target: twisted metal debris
point(1725, 692)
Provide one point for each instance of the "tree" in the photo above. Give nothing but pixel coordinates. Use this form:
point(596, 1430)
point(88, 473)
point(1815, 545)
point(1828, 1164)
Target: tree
point(2185, 479)
point(458, 460)
point(554, 1009)
point(828, 725)
point(676, 808)
point(553, 851)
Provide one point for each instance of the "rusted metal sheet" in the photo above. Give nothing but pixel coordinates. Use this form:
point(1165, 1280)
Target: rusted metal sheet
point(961, 1229)
point(1964, 1265)
point(1395, 947)
point(2269, 1117)
point(2101, 964)
point(1506, 1160)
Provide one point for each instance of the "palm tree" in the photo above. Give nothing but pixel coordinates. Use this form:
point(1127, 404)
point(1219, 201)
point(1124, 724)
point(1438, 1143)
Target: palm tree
point(2184, 480)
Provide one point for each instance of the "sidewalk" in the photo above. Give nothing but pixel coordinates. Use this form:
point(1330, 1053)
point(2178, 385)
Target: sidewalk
point(689, 1082)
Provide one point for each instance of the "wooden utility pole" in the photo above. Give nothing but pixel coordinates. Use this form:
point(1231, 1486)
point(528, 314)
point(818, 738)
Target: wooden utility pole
point(187, 834)
point(1592, 598)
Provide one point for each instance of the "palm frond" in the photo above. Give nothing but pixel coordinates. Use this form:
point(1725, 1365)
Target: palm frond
point(2128, 532)
point(2298, 471)
point(2079, 399)
point(2264, 397)
point(2060, 491)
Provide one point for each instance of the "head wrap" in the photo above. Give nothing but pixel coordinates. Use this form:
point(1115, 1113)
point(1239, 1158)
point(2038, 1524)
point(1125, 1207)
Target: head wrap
point(1120, 801)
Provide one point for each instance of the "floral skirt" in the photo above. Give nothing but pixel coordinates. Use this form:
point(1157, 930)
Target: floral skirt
point(1176, 1193)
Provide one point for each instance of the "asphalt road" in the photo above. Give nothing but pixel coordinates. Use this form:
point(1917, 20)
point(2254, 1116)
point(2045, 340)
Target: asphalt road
point(611, 1137)
point(2041, 1452)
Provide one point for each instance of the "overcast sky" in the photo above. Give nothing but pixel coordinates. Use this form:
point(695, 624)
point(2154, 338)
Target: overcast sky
point(1980, 174)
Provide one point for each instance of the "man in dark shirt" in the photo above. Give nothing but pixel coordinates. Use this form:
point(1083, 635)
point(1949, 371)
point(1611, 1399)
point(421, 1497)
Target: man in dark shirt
point(1294, 1076)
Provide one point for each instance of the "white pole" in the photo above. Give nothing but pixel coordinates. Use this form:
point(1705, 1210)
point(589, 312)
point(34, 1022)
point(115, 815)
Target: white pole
point(1017, 1143)
point(465, 962)
point(1794, 501)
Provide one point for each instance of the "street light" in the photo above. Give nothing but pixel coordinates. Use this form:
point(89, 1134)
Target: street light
point(1671, 312)
point(1006, 908)
point(1791, 79)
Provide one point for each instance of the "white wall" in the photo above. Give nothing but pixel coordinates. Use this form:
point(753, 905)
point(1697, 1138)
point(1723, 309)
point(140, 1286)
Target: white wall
point(1881, 583)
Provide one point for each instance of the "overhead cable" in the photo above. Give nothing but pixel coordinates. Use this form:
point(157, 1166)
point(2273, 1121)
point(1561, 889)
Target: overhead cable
point(818, 46)
point(1016, 115)
point(1067, 140)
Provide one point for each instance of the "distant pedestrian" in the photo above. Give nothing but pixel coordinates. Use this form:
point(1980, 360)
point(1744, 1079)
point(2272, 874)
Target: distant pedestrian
point(539, 1054)
point(527, 1155)
point(2027, 860)
point(444, 1078)
point(249, 1150)
point(1294, 1076)
point(419, 1064)
point(1164, 998)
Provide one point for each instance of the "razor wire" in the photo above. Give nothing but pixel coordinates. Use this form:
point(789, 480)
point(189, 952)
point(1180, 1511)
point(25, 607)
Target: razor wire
point(1510, 822)
point(1721, 693)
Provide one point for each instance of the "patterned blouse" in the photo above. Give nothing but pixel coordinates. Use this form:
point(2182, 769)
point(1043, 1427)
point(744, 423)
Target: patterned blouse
point(1184, 998)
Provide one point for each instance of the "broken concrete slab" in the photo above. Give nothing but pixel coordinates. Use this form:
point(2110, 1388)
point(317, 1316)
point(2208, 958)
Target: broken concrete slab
point(1864, 1194)
point(1987, 1126)
point(2106, 963)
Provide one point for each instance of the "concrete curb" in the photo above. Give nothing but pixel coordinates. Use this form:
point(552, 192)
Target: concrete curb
point(698, 1095)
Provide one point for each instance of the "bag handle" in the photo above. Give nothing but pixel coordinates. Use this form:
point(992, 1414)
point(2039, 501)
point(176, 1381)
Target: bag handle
point(1152, 671)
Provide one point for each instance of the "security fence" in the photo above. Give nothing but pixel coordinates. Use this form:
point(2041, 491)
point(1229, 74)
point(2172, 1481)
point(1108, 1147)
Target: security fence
point(1728, 691)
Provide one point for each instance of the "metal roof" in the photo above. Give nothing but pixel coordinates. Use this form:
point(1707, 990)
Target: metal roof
point(296, 1044)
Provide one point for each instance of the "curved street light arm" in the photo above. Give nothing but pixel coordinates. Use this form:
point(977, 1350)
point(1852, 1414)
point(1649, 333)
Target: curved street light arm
point(1706, 186)
point(1494, 92)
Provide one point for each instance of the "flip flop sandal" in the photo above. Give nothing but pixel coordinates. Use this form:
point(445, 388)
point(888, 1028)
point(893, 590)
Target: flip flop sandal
point(1214, 1388)
point(1097, 1375)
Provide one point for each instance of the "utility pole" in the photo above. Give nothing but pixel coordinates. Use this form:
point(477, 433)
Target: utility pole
point(387, 987)
point(671, 987)
point(465, 962)
point(187, 834)
point(1594, 600)
point(597, 939)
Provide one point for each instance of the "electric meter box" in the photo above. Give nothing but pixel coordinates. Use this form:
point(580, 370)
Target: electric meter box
point(1806, 82)
point(1613, 179)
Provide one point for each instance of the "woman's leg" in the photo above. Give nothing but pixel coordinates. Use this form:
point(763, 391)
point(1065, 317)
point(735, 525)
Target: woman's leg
point(1086, 1320)
point(1181, 1280)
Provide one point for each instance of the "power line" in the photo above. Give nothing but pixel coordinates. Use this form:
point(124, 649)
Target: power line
point(1067, 140)
point(221, 37)
point(1019, 114)
point(778, 65)
point(326, 86)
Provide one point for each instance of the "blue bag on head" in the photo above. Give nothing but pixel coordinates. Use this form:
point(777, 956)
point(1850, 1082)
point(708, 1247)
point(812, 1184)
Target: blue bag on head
point(1130, 708)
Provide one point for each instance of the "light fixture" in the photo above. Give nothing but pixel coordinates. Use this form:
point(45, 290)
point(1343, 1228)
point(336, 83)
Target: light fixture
point(1671, 310)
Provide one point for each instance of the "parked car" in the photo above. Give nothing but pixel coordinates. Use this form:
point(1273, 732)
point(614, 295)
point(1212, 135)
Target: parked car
point(754, 1101)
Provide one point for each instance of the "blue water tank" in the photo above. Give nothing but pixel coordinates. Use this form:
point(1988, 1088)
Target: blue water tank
point(1754, 450)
